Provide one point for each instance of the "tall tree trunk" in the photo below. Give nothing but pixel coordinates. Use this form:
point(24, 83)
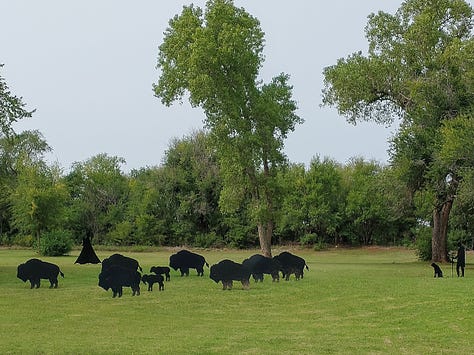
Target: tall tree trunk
point(265, 226)
point(265, 231)
point(439, 239)
point(38, 240)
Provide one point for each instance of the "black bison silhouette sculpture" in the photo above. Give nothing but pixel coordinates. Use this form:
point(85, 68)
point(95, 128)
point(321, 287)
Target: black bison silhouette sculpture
point(291, 264)
point(161, 270)
point(119, 259)
point(152, 279)
point(34, 270)
point(260, 265)
point(116, 277)
point(185, 260)
point(120, 271)
point(228, 271)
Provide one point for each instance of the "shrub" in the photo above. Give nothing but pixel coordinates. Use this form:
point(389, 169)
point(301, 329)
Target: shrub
point(423, 243)
point(312, 239)
point(208, 240)
point(120, 235)
point(23, 240)
point(55, 243)
point(309, 239)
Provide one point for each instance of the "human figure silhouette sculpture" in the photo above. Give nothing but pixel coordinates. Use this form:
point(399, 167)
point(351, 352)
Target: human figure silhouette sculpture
point(460, 260)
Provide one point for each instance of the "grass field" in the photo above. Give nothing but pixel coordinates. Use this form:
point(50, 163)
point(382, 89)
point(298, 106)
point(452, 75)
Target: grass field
point(351, 301)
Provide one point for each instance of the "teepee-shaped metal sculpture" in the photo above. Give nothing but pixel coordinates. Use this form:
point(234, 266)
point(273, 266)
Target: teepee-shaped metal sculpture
point(87, 255)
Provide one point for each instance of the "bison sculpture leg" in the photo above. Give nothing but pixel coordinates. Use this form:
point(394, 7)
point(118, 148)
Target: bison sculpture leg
point(35, 283)
point(117, 291)
point(53, 283)
point(136, 290)
point(227, 284)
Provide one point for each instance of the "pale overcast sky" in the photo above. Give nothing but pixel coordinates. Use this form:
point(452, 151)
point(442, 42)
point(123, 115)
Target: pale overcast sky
point(87, 67)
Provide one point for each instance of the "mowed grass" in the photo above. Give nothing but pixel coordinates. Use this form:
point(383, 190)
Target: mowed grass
point(351, 301)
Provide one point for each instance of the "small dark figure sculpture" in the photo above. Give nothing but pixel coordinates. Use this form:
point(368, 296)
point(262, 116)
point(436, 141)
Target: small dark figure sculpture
point(437, 270)
point(460, 260)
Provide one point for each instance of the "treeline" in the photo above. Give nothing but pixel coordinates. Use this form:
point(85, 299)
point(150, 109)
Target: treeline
point(177, 203)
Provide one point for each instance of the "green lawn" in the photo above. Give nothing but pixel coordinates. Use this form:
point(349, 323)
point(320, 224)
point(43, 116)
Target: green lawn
point(351, 301)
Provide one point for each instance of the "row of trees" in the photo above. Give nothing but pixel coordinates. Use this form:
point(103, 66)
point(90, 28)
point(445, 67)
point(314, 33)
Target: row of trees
point(176, 203)
point(418, 69)
point(233, 183)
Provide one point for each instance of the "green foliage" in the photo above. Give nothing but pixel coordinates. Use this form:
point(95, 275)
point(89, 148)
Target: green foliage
point(38, 200)
point(366, 206)
point(121, 234)
point(177, 203)
point(55, 243)
point(227, 185)
point(360, 203)
point(423, 243)
point(313, 200)
point(309, 239)
point(12, 108)
point(462, 222)
point(215, 55)
point(98, 192)
point(210, 240)
point(195, 186)
point(23, 240)
point(17, 152)
point(419, 68)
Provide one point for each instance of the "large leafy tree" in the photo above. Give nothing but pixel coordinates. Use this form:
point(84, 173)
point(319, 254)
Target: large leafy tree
point(313, 204)
point(457, 155)
point(38, 200)
point(176, 203)
point(145, 213)
point(368, 216)
point(98, 191)
point(16, 152)
point(420, 68)
point(215, 56)
point(12, 109)
point(195, 187)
